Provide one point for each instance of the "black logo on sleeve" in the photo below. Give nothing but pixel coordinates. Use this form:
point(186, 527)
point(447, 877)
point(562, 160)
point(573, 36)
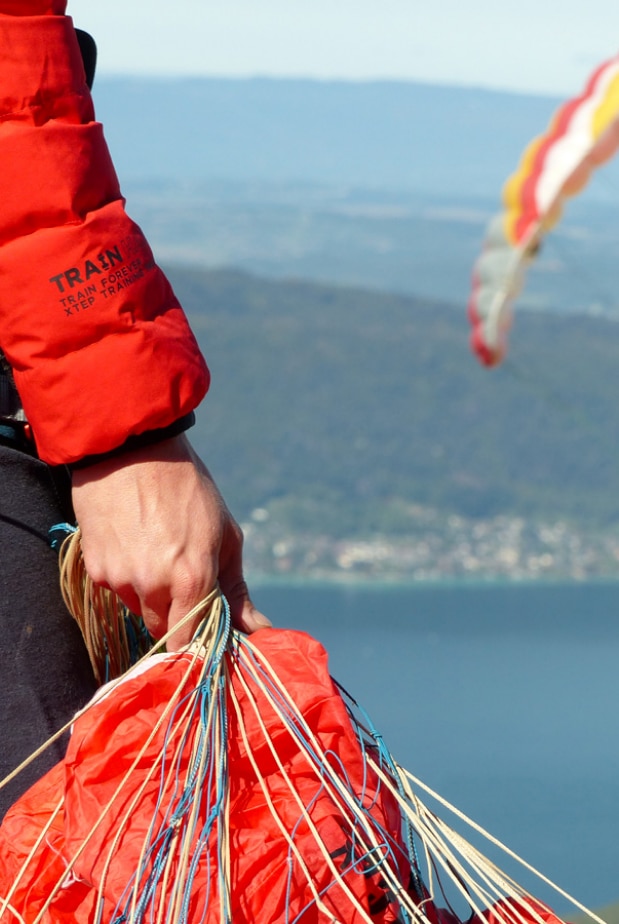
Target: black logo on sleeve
point(101, 277)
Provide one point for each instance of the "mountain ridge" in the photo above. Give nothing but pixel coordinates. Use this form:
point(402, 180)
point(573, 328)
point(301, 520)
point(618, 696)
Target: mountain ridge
point(383, 134)
point(383, 184)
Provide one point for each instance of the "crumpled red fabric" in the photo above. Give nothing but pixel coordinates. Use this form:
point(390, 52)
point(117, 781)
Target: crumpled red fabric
point(267, 884)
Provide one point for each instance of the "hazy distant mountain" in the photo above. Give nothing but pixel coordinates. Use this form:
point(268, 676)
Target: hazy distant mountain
point(382, 185)
point(437, 140)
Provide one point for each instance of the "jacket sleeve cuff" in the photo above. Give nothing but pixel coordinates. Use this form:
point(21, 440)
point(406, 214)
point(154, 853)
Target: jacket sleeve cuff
point(150, 438)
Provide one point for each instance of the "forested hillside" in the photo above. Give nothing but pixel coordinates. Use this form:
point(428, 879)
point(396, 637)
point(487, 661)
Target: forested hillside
point(346, 407)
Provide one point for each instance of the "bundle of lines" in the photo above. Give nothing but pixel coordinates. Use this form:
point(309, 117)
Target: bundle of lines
point(237, 782)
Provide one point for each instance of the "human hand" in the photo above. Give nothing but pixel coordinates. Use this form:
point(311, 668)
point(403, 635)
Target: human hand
point(156, 531)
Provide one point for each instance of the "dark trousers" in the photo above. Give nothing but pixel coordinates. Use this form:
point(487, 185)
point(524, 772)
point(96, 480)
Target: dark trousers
point(45, 674)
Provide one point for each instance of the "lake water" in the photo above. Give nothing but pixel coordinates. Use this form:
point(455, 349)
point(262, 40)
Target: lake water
point(502, 698)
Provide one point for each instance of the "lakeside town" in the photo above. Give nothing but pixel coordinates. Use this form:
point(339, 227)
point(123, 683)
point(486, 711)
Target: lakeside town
point(442, 548)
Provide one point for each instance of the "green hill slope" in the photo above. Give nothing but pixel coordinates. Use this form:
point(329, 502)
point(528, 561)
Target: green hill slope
point(610, 914)
point(357, 399)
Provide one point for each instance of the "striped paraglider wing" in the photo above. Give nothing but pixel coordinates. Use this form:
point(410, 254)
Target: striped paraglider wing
point(583, 134)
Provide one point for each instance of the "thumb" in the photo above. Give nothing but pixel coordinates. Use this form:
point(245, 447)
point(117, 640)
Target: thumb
point(245, 616)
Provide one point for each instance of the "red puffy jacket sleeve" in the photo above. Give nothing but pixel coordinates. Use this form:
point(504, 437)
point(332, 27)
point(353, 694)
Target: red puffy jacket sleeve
point(99, 345)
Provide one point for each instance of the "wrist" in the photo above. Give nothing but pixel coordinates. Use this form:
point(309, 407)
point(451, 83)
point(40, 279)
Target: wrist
point(139, 441)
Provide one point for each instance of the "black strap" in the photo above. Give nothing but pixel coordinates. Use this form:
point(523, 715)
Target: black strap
point(88, 49)
point(10, 404)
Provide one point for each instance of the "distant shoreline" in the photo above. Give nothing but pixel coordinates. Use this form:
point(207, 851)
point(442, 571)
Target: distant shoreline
point(371, 584)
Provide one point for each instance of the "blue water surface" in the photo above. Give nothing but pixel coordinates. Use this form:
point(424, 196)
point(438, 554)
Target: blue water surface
point(503, 697)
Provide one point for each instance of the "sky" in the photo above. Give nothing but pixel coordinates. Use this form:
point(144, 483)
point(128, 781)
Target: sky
point(535, 46)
